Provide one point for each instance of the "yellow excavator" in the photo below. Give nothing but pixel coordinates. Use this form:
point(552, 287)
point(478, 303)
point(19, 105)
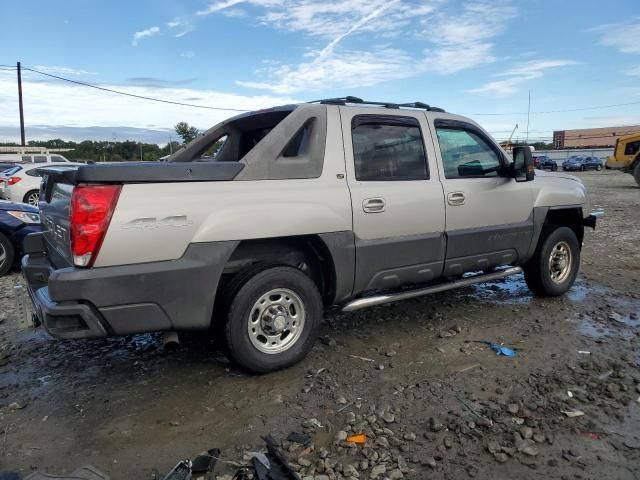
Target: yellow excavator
point(626, 156)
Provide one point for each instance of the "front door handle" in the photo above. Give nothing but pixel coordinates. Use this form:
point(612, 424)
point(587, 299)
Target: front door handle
point(456, 198)
point(373, 205)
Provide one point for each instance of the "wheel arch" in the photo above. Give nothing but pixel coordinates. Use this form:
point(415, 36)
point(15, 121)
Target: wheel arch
point(548, 218)
point(329, 259)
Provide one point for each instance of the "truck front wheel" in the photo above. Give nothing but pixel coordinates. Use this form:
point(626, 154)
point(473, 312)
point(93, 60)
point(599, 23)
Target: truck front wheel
point(273, 319)
point(554, 266)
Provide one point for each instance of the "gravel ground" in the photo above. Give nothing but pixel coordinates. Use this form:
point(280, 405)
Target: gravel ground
point(432, 403)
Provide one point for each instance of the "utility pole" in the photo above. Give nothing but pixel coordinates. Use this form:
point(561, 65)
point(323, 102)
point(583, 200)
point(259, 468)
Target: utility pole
point(528, 113)
point(170, 147)
point(22, 139)
point(141, 157)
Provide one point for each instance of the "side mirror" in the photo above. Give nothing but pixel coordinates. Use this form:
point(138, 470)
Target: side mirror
point(523, 168)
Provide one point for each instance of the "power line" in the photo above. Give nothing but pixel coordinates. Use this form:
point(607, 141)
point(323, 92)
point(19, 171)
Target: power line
point(597, 107)
point(142, 97)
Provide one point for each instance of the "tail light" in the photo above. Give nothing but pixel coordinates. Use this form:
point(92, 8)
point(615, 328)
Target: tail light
point(91, 210)
point(13, 180)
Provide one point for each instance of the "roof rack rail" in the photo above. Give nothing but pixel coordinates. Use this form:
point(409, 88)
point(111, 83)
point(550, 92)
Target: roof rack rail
point(359, 101)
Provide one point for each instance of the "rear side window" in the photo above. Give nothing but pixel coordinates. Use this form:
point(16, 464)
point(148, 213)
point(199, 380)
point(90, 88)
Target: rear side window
point(40, 159)
point(632, 148)
point(387, 148)
point(26, 158)
point(33, 172)
point(57, 158)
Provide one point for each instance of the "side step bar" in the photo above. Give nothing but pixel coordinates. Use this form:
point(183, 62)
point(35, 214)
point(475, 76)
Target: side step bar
point(394, 297)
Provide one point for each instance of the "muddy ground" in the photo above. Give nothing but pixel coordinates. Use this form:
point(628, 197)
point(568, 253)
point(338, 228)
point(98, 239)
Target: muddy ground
point(432, 405)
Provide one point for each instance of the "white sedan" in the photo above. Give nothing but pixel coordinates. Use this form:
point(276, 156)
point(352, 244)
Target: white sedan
point(22, 182)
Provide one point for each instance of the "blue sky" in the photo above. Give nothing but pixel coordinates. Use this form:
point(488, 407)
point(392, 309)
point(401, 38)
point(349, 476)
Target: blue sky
point(473, 57)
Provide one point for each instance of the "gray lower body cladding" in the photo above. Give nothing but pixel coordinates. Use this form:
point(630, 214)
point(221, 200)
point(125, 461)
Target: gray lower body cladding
point(170, 295)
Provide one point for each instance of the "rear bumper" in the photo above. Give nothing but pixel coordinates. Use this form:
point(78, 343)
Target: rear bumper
point(98, 302)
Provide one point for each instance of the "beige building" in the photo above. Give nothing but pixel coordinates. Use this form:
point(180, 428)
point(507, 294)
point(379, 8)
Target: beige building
point(591, 137)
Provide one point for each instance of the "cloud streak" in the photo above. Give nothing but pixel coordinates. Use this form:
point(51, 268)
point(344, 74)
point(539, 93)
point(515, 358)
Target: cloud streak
point(149, 32)
point(623, 36)
point(519, 74)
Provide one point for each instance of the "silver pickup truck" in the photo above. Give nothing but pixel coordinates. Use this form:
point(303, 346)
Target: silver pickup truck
point(255, 228)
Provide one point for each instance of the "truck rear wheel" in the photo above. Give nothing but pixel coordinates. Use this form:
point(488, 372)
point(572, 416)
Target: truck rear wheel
point(555, 264)
point(636, 172)
point(273, 319)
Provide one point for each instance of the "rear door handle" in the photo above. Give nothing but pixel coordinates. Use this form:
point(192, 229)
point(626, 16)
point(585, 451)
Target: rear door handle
point(456, 198)
point(373, 205)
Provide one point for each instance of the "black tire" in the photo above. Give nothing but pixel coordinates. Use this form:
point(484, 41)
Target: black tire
point(537, 271)
point(239, 345)
point(32, 197)
point(598, 168)
point(554, 169)
point(7, 255)
point(636, 172)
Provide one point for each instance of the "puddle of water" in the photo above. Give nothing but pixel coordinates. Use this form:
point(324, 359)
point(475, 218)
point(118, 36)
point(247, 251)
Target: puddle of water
point(514, 290)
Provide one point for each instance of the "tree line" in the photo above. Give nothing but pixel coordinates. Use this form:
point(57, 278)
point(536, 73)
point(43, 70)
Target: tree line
point(116, 151)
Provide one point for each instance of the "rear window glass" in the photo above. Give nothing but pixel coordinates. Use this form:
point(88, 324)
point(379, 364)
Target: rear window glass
point(388, 149)
point(12, 171)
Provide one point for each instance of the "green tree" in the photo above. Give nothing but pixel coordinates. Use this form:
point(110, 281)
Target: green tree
point(186, 131)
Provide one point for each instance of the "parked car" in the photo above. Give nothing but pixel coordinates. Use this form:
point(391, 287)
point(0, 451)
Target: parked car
point(574, 163)
point(22, 183)
point(593, 163)
point(543, 162)
point(339, 203)
point(17, 220)
point(44, 157)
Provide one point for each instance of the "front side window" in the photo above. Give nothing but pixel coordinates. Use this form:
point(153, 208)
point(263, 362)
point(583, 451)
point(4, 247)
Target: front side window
point(632, 148)
point(465, 154)
point(388, 148)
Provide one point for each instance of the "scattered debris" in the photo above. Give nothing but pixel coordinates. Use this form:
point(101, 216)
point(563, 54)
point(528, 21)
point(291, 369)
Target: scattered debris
point(584, 352)
point(301, 438)
point(87, 472)
point(358, 439)
point(362, 358)
point(573, 413)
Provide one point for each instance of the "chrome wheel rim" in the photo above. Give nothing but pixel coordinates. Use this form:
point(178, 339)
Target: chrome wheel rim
point(3, 255)
point(276, 321)
point(560, 262)
point(33, 199)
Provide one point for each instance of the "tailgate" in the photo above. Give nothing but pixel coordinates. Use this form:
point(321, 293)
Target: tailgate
point(55, 203)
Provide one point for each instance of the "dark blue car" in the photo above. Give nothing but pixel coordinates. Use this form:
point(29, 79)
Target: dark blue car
point(17, 220)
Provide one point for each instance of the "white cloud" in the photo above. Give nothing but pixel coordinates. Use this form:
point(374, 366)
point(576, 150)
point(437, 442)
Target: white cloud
point(149, 32)
point(218, 5)
point(453, 38)
point(61, 104)
point(633, 71)
point(463, 37)
point(623, 36)
point(181, 26)
point(346, 69)
point(188, 54)
point(517, 75)
point(58, 70)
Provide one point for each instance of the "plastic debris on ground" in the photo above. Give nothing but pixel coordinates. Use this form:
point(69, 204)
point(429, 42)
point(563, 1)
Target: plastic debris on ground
point(359, 439)
point(499, 349)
